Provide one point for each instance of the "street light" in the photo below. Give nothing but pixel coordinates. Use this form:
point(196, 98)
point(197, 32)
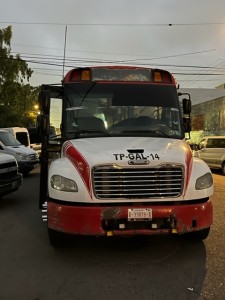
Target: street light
point(36, 107)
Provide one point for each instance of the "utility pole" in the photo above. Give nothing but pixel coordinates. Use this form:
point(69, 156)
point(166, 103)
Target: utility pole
point(64, 56)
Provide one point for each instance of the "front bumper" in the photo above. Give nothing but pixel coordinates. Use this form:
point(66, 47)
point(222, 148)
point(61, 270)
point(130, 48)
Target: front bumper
point(10, 185)
point(107, 220)
point(28, 165)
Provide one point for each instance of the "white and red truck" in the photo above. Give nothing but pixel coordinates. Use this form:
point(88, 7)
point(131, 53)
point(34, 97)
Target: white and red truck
point(119, 164)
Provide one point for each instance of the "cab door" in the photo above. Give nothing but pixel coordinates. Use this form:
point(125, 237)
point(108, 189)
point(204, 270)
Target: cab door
point(49, 126)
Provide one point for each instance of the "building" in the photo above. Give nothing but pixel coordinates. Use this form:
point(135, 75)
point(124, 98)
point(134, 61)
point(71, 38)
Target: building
point(208, 112)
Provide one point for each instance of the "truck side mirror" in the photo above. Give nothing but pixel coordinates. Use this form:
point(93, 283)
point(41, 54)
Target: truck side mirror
point(186, 106)
point(187, 124)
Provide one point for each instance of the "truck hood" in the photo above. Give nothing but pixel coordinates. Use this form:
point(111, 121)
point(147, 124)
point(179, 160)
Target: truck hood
point(4, 158)
point(125, 151)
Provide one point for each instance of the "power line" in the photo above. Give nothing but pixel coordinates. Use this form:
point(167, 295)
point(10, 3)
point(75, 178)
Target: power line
point(216, 66)
point(149, 58)
point(113, 53)
point(56, 61)
point(115, 24)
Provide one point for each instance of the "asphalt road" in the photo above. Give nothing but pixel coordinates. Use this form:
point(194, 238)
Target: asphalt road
point(157, 268)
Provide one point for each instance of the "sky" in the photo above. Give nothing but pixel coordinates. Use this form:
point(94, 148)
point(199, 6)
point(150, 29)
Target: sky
point(185, 37)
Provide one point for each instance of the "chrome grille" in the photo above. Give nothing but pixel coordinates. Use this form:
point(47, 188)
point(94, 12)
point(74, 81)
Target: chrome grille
point(8, 169)
point(111, 182)
point(33, 156)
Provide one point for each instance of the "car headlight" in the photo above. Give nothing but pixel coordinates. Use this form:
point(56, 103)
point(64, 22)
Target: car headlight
point(22, 156)
point(61, 183)
point(204, 182)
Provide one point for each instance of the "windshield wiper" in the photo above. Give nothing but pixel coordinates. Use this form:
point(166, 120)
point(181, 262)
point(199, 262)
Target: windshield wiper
point(147, 131)
point(90, 131)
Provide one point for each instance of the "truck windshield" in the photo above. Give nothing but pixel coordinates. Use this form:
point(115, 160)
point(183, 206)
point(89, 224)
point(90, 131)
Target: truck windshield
point(115, 109)
point(8, 139)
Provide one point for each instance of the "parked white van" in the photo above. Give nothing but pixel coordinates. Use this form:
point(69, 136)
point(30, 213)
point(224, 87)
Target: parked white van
point(26, 157)
point(21, 134)
point(211, 149)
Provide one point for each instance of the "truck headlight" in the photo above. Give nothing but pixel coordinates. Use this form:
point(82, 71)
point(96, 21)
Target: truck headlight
point(61, 183)
point(204, 182)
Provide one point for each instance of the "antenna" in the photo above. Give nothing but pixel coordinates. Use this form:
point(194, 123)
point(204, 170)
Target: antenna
point(64, 56)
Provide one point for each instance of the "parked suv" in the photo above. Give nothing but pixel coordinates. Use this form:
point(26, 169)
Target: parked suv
point(10, 179)
point(26, 157)
point(211, 149)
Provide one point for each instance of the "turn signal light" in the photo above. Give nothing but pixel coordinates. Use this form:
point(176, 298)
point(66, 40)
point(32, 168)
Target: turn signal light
point(157, 77)
point(80, 75)
point(162, 76)
point(85, 75)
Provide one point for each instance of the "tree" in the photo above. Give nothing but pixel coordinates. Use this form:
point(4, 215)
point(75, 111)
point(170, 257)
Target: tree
point(16, 97)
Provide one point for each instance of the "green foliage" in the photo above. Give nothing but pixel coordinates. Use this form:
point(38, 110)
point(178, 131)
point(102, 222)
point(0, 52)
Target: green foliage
point(17, 98)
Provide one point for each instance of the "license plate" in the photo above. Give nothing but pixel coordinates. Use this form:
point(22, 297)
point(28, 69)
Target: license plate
point(139, 214)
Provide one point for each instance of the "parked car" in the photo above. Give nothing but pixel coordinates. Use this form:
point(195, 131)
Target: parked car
point(211, 149)
point(26, 157)
point(20, 133)
point(10, 179)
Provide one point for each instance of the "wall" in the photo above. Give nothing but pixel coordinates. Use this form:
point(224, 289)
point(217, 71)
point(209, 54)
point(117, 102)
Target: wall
point(209, 116)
